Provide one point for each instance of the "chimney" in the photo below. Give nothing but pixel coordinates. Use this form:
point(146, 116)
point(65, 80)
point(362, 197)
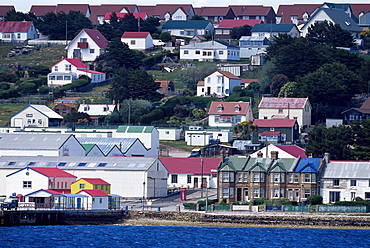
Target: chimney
point(310, 155)
point(259, 154)
point(274, 155)
point(327, 157)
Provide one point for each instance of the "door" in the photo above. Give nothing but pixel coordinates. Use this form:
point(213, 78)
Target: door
point(204, 183)
point(246, 198)
point(334, 196)
point(195, 182)
point(76, 53)
point(238, 194)
point(290, 194)
point(79, 203)
point(18, 122)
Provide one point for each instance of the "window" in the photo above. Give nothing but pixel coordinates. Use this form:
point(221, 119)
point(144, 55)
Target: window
point(83, 39)
point(59, 77)
point(62, 164)
point(102, 164)
point(240, 177)
point(57, 185)
point(367, 195)
point(6, 36)
point(51, 77)
point(307, 193)
point(353, 196)
point(275, 193)
point(132, 42)
point(186, 51)
point(296, 178)
point(81, 164)
point(188, 178)
point(100, 200)
point(67, 78)
point(197, 52)
point(225, 192)
point(68, 67)
point(282, 193)
point(313, 191)
point(335, 182)
point(245, 177)
point(353, 183)
point(56, 68)
point(231, 192)
point(313, 178)
point(280, 111)
point(92, 50)
point(256, 177)
point(106, 187)
point(27, 184)
point(290, 178)
point(276, 177)
point(307, 178)
point(220, 52)
point(256, 192)
point(167, 132)
point(82, 186)
point(11, 163)
point(225, 176)
point(174, 178)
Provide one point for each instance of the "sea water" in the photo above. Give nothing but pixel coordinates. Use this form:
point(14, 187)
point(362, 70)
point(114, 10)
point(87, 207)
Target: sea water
point(177, 236)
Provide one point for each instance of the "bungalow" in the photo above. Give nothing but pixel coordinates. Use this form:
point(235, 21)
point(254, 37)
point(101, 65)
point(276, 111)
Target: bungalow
point(357, 114)
point(270, 30)
point(29, 179)
point(96, 110)
point(65, 106)
point(68, 70)
point(222, 31)
point(210, 51)
point(252, 45)
point(138, 40)
point(228, 114)
point(17, 31)
point(275, 131)
point(167, 87)
point(188, 28)
point(87, 45)
point(96, 199)
point(218, 83)
point(189, 172)
point(286, 108)
point(36, 116)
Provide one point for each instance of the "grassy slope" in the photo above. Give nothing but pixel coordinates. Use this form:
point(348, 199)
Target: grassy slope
point(7, 110)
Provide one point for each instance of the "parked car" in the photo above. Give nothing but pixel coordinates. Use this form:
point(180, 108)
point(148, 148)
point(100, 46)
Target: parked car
point(195, 153)
point(9, 205)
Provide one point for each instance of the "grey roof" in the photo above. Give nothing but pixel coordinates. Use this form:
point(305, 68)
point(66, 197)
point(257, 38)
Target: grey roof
point(275, 28)
point(253, 38)
point(189, 24)
point(43, 110)
point(28, 141)
point(107, 144)
point(209, 44)
point(79, 163)
point(340, 17)
point(347, 169)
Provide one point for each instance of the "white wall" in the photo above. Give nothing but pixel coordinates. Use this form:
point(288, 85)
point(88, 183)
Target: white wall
point(169, 134)
point(14, 183)
point(29, 117)
point(197, 139)
point(85, 52)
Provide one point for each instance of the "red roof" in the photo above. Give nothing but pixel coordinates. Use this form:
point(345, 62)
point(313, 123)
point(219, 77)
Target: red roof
point(138, 35)
point(228, 108)
point(91, 71)
point(358, 8)
point(211, 11)
point(247, 10)
point(226, 74)
point(5, 9)
point(94, 192)
point(51, 171)
point(75, 62)
point(66, 8)
point(15, 26)
point(190, 165)
point(248, 80)
point(270, 133)
point(293, 150)
point(287, 11)
point(282, 103)
point(226, 23)
point(40, 10)
point(274, 122)
point(100, 10)
point(97, 37)
point(122, 15)
point(94, 181)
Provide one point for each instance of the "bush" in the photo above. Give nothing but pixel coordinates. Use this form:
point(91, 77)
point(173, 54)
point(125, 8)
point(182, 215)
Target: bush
point(259, 201)
point(165, 37)
point(280, 202)
point(314, 199)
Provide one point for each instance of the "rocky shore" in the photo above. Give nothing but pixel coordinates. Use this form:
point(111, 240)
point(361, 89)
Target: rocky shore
point(248, 220)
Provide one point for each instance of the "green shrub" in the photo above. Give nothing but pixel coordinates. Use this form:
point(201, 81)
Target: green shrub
point(314, 199)
point(280, 202)
point(189, 204)
point(259, 201)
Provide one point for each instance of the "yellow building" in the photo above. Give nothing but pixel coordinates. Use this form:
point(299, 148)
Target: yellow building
point(90, 183)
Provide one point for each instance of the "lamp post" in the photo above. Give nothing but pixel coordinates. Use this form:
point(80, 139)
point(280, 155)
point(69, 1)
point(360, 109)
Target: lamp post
point(143, 195)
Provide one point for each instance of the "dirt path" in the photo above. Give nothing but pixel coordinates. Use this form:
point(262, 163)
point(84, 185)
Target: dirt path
point(174, 152)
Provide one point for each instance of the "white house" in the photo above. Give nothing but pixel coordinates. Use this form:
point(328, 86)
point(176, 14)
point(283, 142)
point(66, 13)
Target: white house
point(228, 114)
point(218, 83)
point(13, 31)
point(188, 28)
point(169, 133)
point(36, 144)
point(96, 109)
point(284, 151)
point(333, 15)
point(29, 179)
point(286, 108)
point(68, 70)
point(188, 172)
point(198, 138)
point(210, 51)
point(35, 116)
point(270, 30)
point(87, 45)
point(138, 40)
point(96, 199)
point(345, 180)
point(130, 177)
point(252, 45)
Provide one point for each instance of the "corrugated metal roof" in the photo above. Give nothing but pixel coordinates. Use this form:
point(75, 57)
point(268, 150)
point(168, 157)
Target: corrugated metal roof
point(77, 163)
point(216, 44)
point(107, 144)
point(228, 108)
point(190, 165)
point(274, 122)
point(258, 164)
point(189, 24)
point(275, 28)
point(347, 169)
point(135, 129)
point(130, 35)
point(308, 165)
point(15, 26)
point(30, 141)
point(46, 171)
point(282, 103)
point(43, 110)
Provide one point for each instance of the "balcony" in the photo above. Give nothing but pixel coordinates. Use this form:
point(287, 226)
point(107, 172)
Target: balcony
point(82, 45)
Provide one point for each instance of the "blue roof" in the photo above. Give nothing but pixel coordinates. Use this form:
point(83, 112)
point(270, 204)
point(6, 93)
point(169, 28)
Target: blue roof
point(281, 28)
point(188, 24)
point(308, 165)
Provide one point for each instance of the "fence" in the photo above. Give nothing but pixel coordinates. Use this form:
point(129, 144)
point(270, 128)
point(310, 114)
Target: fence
point(296, 209)
point(343, 209)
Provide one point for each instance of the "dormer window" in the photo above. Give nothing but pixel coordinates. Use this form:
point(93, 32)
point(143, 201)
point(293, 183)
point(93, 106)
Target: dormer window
point(220, 108)
point(237, 108)
point(105, 109)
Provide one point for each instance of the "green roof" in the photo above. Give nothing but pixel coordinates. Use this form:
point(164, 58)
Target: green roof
point(189, 24)
point(87, 147)
point(283, 165)
point(232, 164)
point(135, 129)
point(258, 164)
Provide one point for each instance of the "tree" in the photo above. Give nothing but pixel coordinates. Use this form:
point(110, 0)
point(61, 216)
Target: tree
point(134, 109)
point(197, 17)
point(278, 81)
point(165, 37)
point(38, 70)
point(290, 89)
point(19, 16)
point(129, 23)
point(361, 147)
point(77, 117)
point(27, 87)
point(237, 32)
point(133, 84)
point(328, 33)
point(243, 130)
point(110, 30)
point(314, 199)
point(192, 75)
point(150, 25)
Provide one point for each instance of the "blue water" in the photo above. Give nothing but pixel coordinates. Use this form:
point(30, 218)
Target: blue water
point(173, 236)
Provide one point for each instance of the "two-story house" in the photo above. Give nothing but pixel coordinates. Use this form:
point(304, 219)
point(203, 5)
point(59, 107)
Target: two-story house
point(275, 131)
point(357, 114)
point(68, 70)
point(215, 14)
point(210, 51)
point(286, 108)
point(223, 30)
point(166, 12)
point(228, 114)
point(295, 13)
point(218, 83)
point(270, 30)
point(258, 12)
point(90, 183)
point(87, 45)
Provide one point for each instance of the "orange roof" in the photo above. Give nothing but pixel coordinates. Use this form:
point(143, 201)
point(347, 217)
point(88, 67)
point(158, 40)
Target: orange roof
point(226, 74)
point(200, 83)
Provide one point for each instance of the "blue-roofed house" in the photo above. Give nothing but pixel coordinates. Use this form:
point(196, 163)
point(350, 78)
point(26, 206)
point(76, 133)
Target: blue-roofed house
point(35, 116)
point(252, 45)
point(270, 30)
point(188, 28)
point(210, 51)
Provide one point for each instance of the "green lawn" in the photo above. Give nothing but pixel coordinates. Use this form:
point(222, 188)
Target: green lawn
point(7, 110)
point(178, 144)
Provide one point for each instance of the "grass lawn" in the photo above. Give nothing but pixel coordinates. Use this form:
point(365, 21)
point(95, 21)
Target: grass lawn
point(7, 110)
point(178, 144)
